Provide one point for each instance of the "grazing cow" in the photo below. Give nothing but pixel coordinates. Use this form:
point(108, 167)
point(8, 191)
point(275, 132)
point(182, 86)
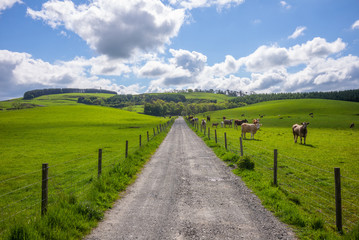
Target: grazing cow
point(203, 123)
point(250, 128)
point(239, 122)
point(311, 114)
point(228, 122)
point(301, 131)
point(352, 125)
point(242, 115)
point(208, 118)
point(222, 123)
point(215, 125)
point(224, 118)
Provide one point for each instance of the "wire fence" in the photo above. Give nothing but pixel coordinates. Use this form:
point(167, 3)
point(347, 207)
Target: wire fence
point(21, 197)
point(306, 184)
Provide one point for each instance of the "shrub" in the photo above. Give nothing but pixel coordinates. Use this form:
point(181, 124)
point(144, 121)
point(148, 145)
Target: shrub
point(245, 162)
point(230, 157)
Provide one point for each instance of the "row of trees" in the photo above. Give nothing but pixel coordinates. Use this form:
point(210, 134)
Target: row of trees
point(162, 108)
point(347, 95)
point(40, 92)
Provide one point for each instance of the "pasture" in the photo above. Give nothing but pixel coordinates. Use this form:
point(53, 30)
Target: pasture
point(68, 139)
point(305, 172)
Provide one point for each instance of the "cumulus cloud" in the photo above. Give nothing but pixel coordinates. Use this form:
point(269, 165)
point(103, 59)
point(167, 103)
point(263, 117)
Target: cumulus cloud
point(269, 57)
point(20, 72)
point(298, 32)
point(220, 4)
point(355, 25)
point(180, 70)
point(265, 70)
point(118, 29)
point(5, 4)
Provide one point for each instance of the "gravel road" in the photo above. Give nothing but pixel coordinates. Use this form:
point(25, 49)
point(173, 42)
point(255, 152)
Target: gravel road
point(186, 192)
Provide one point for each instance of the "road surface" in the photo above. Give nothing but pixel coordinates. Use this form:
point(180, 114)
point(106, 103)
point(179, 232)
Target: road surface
point(186, 192)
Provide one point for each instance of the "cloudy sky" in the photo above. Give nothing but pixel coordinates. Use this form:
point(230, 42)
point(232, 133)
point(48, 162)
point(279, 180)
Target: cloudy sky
point(136, 46)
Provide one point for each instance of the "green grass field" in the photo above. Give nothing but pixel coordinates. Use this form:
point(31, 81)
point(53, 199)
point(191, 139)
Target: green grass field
point(67, 138)
point(305, 172)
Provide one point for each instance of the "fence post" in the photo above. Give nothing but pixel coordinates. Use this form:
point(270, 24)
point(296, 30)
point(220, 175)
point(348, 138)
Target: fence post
point(215, 135)
point(148, 137)
point(140, 140)
point(338, 200)
point(154, 132)
point(241, 144)
point(275, 167)
point(204, 131)
point(209, 133)
point(225, 140)
point(44, 188)
point(126, 148)
point(99, 169)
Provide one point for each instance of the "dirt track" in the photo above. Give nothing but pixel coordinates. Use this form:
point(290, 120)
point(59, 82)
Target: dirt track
point(186, 192)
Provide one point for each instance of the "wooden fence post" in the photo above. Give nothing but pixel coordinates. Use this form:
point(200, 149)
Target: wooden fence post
point(44, 188)
point(215, 135)
point(209, 133)
point(154, 132)
point(275, 167)
point(126, 148)
point(338, 200)
point(241, 144)
point(225, 140)
point(140, 140)
point(148, 137)
point(99, 168)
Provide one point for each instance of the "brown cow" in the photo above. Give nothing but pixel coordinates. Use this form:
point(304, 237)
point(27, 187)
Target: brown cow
point(228, 122)
point(239, 122)
point(301, 131)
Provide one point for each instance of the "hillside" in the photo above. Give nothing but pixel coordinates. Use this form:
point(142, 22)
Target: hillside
point(305, 172)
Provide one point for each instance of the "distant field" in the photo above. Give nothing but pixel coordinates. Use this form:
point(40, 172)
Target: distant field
point(202, 95)
point(53, 100)
point(305, 171)
point(68, 139)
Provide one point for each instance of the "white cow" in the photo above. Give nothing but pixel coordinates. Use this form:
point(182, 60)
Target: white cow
point(250, 128)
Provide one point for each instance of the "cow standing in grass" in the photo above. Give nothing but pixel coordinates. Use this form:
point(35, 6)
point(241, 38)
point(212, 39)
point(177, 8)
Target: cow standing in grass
point(250, 128)
point(301, 131)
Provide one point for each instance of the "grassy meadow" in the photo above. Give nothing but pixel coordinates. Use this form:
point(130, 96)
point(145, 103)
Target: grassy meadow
point(305, 172)
point(67, 137)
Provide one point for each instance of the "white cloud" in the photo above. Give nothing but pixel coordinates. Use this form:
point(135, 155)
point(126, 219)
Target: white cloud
point(355, 25)
point(298, 32)
point(5, 4)
point(269, 57)
point(20, 72)
point(118, 29)
point(285, 5)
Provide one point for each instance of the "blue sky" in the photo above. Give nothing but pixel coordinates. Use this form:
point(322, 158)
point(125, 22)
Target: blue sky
point(154, 46)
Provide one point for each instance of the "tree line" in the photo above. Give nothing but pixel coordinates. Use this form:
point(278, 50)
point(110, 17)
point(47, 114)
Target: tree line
point(40, 92)
point(347, 95)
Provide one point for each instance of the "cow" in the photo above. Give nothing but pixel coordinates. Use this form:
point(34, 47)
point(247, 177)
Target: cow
point(250, 128)
point(222, 123)
point(203, 123)
point(352, 125)
point(239, 122)
point(228, 122)
point(301, 131)
point(215, 125)
point(224, 118)
point(311, 114)
point(208, 118)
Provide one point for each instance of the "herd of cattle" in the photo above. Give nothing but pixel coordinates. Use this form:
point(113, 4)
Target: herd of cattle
point(252, 128)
